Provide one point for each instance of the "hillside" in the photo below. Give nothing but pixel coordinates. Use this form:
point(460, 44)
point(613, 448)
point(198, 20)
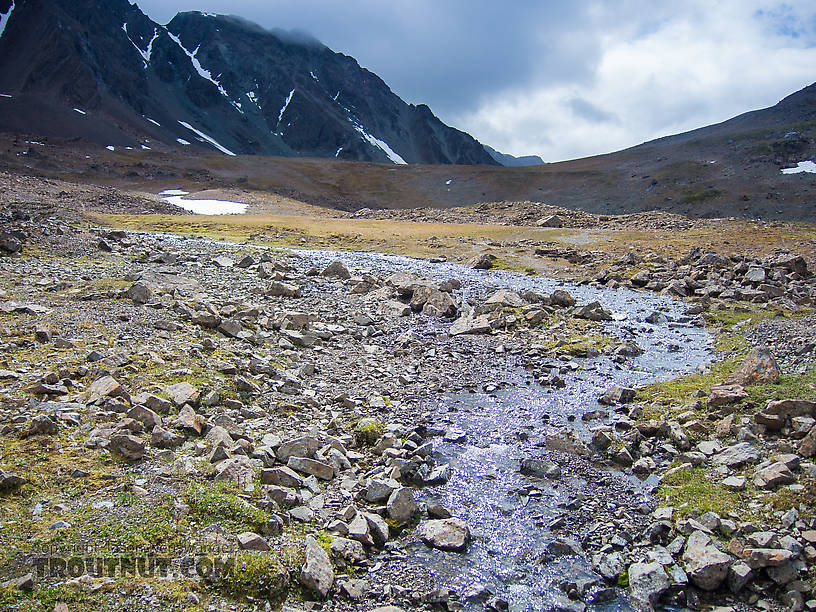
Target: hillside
point(105, 73)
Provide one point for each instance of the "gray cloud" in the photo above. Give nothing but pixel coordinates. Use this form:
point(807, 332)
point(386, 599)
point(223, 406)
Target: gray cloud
point(554, 78)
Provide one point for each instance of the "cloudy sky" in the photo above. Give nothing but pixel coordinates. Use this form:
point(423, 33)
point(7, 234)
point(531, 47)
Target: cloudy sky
point(560, 79)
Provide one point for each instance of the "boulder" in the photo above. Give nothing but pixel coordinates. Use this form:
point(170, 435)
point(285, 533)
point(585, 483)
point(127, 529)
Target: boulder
point(773, 476)
point(336, 269)
point(321, 470)
point(484, 261)
point(401, 505)
point(305, 446)
point(129, 447)
point(470, 325)
point(647, 582)
point(723, 395)
point(706, 566)
point(450, 534)
point(737, 455)
point(251, 541)
point(317, 574)
point(183, 393)
point(759, 367)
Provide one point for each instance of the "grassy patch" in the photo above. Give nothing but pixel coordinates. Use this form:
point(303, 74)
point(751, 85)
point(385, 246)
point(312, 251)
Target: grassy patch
point(217, 504)
point(692, 490)
point(789, 386)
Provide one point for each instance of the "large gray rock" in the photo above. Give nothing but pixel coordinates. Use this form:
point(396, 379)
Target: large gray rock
point(317, 573)
point(773, 476)
point(737, 455)
point(129, 447)
point(313, 467)
point(647, 582)
point(401, 506)
point(705, 564)
point(470, 325)
point(445, 534)
point(305, 446)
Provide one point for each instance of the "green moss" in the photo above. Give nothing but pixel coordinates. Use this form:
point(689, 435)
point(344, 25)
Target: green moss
point(369, 430)
point(43, 598)
point(692, 490)
point(623, 579)
point(215, 504)
point(258, 575)
point(789, 386)
point(691, 196)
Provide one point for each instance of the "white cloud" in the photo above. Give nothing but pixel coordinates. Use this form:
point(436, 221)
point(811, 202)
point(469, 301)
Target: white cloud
point(687, 70)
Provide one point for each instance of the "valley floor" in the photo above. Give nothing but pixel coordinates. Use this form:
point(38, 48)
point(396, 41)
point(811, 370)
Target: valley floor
point(163, 397)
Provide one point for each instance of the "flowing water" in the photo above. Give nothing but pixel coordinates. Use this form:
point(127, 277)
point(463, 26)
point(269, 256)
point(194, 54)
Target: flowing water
point(486, 488)
point(509, 522)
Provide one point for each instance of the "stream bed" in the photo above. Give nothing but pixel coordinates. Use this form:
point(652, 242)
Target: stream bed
point(509, 513)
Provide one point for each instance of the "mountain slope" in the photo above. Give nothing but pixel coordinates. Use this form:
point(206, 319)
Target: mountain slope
point(216, 82)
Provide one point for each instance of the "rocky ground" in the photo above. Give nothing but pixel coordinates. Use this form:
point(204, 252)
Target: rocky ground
point(266, 427)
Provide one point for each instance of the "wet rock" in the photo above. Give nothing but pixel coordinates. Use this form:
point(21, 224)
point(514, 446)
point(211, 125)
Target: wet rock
point(647, 582)
point(706, 565)
point(317, 573)
point(617, 395)
point(379, 491)
point(608, 565)
point(378, 528)
point(540, 468)
point(445, 534)
point(562, 299)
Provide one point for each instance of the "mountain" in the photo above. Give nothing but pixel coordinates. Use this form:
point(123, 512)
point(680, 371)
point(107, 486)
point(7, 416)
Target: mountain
point(106, 73)
point(506, 159)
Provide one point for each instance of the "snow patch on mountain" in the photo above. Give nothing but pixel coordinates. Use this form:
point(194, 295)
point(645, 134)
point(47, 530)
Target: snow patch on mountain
point(203, 72)
point(380, 144)
point(145, 54)
point(285, 105)
point(208, 139)
point(4, 17)
point(803, 166)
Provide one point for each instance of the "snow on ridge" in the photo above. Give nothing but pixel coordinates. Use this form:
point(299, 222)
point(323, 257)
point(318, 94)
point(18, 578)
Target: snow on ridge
point(253, 97)
point(803, 166)
point(152, 121)
point(209, 139)
point(313, 76)
point(202, 207)
point(203, 72)
point(285, 105)
point(80, 111)
point(181, 141)
point(338, 152)
point(4, 17)
point(380, 144)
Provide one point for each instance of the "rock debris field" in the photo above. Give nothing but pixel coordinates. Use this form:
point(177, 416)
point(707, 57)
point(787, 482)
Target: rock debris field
point(192, 424)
